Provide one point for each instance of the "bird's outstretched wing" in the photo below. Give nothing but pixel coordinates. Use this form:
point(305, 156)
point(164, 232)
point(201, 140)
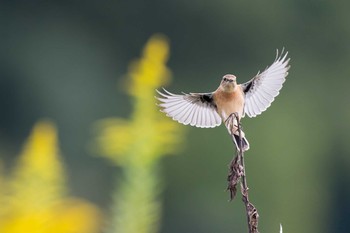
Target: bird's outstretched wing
point(196, 109)
point(261, 90)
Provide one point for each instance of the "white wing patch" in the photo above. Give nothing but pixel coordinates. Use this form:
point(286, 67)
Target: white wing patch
point(194, 109)
point(261, 91)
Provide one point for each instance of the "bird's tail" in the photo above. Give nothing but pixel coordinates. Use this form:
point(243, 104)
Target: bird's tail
point(234, 131)
point(238, 142)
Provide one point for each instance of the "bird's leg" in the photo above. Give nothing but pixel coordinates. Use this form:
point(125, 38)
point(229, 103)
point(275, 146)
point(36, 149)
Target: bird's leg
point(232, 116)
point(230, 122)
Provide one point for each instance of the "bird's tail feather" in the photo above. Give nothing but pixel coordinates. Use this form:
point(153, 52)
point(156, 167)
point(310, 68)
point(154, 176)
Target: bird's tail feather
point(237, 141)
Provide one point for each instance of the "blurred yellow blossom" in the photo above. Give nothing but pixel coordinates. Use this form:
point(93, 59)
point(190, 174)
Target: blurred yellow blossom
point(34, 198)
point(150, 71)
point(148, 134)
point(136, 145)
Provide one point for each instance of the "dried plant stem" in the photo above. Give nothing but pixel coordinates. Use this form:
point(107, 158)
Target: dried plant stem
point(237, 174)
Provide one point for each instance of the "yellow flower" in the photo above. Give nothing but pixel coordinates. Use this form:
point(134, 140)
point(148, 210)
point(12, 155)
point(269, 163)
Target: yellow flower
point(150, 71)
point(148, 135)
point(137, 144)
point(35, 198)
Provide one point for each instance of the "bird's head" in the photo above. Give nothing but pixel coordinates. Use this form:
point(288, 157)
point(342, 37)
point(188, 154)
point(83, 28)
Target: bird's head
point(228, 83)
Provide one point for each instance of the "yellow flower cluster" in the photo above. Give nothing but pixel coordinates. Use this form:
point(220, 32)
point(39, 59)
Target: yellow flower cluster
point(150, 71)
point(136, 145)
point(148, 135)
point(34, 198)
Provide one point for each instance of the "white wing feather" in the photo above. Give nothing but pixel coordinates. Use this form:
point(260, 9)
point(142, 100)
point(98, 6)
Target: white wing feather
point(261, 91)
point(190, 109)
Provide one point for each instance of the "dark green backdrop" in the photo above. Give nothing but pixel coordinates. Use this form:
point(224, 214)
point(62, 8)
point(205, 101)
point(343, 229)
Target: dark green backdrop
point(65, 60)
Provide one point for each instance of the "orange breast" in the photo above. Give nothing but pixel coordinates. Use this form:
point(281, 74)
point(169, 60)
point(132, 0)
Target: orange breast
point(229, 102)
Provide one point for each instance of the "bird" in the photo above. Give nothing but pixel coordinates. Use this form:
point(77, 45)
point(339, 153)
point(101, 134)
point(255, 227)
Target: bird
point(229, 102)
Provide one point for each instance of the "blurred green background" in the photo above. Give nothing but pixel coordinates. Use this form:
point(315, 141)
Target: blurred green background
point(66, 60)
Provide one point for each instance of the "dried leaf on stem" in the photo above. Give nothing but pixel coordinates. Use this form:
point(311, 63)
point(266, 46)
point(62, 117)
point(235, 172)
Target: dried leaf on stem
point(237, 174)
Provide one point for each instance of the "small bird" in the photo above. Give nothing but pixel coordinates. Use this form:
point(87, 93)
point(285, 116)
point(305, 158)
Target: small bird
point(208, 110)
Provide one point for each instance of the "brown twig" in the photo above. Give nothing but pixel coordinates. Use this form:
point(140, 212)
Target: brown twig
point(237, 174)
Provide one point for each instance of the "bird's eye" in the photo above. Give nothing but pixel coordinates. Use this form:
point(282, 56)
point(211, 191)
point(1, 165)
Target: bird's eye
point(225, 79)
